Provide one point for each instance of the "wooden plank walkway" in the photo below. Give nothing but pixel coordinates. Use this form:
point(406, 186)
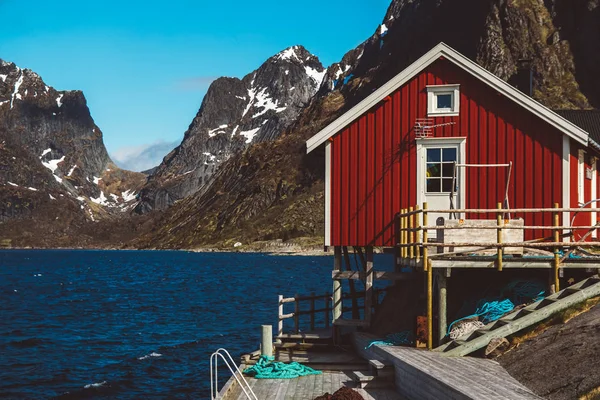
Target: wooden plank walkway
point(421, 374)
point(306, 388)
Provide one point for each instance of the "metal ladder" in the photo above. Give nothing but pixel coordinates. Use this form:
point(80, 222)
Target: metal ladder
point(522, 318)
point(235, 371)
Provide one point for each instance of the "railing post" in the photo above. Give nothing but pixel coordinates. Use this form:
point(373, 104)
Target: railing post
point(418, 234)
point(280, 321)
point(556, 250)
point(403, 233)
point(312, 311)
point(296, 314)
point(411, 234)
point(499, 236)
point(428, 268)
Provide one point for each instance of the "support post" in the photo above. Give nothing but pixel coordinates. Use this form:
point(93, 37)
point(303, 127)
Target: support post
point(425, 249)
point(337, 284)
point(280, 321)
point(442, 305)
point(266, 341)
point(397, 243)
point(556, 251)
point(369, 284)
point(355, 311)
point(429, 306)
point(499, 250)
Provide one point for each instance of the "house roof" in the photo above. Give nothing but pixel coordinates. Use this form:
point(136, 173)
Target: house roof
point(588, 120)
point(445, 51)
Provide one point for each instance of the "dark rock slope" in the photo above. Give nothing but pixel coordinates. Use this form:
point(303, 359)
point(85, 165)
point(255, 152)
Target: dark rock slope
point(561, 363)
point(274, 190)
point(234, 114)
point(53, 163)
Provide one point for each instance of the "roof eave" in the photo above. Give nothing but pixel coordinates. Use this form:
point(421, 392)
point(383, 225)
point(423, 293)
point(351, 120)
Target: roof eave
point(443, 50)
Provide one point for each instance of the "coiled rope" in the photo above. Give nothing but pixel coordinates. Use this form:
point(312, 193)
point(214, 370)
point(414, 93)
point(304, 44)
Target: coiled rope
point(267, 368)
point(489, 310)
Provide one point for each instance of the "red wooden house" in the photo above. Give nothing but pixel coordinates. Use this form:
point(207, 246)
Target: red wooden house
point(396, 148)
point(448, 133)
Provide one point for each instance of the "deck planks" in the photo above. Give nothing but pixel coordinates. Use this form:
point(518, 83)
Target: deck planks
point(424, 374)
point(307, 388)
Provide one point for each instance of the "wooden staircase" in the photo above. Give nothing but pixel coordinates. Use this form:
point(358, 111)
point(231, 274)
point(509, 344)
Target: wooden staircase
point(522, 318)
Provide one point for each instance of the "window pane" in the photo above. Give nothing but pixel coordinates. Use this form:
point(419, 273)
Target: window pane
point(444, 101)
point(447, 170)
point(433, 155)
point(446, 185)
point(449, 154)
point(433, 185)
point(433, 170)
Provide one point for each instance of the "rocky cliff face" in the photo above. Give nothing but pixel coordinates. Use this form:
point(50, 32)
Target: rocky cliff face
point(274, 190)
point(52, 158)
point(234, 114)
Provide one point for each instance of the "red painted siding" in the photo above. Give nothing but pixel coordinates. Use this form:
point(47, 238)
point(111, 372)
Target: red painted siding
point(374, 164)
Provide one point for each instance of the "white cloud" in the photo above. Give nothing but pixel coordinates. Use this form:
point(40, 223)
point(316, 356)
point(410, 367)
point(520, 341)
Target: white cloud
point(142, 157)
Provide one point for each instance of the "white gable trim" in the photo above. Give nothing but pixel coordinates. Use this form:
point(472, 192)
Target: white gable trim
point(328, 194)
point(443, 50)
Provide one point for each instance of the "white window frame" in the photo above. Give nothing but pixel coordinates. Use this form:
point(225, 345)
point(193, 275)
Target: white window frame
point(435, 90)
point(422, 144)
point(581, 177)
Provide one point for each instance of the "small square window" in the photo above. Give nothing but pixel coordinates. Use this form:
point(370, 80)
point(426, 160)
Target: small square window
point(443, 100)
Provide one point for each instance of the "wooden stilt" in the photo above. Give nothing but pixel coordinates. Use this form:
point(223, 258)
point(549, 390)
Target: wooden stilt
point(337, 284)
point(355, 312)
point(442, 305)
point(429, 305)
point(369, 284)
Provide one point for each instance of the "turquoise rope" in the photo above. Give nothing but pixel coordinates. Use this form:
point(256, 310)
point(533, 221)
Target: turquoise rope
point(516, 292)
point(393, 339)
point(267, 368)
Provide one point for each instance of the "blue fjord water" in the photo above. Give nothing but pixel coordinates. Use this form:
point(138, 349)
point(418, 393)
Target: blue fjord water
point(136, 324)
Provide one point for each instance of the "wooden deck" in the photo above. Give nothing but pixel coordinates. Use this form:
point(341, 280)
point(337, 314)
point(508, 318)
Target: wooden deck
point(306, 388)
point(422, 374)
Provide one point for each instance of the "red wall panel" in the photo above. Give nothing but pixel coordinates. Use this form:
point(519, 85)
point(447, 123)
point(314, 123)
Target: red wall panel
point(374, 163)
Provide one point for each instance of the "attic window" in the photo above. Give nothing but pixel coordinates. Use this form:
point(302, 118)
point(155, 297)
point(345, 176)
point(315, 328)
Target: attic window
point(443, 100)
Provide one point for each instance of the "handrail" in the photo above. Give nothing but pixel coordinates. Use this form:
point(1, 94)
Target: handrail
point(313, 310)
point(214, 392)
point(495, 210)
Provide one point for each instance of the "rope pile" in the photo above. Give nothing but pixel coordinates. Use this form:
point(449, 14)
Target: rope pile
point(490, 309)
point(394, 339)
point(266, 368)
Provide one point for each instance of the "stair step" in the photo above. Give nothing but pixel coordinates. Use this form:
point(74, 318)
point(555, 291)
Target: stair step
point(366, 380)
point(377, 364)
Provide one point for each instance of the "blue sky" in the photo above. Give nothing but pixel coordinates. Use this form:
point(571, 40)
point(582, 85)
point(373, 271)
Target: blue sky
point(144, 66)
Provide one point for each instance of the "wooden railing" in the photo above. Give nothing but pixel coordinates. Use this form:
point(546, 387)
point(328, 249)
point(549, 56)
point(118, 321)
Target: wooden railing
point(414, 245)
point(306, 317)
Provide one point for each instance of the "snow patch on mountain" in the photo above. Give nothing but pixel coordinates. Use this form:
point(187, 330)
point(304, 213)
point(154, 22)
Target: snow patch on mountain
point(249, 135)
